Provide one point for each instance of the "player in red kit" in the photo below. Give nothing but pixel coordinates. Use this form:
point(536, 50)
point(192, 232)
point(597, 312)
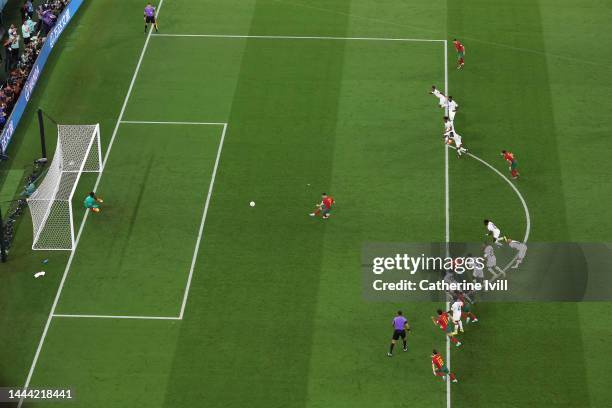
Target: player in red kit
point(509, 157)
point(439, 368)
point(460, 53)
point(324, 207)
point(442, 323)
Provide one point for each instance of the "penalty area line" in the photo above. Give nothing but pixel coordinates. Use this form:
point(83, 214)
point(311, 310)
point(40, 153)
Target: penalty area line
point(203, 222)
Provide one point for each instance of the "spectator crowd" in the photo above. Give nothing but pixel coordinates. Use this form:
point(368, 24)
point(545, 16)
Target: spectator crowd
point(21, 50)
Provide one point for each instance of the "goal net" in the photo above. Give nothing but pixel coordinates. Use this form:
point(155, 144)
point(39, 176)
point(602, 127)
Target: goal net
point(78, 151)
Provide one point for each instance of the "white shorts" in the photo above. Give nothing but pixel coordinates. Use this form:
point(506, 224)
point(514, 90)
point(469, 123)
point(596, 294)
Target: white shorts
point(451, 115)
point(478, 273)
point(456, 316)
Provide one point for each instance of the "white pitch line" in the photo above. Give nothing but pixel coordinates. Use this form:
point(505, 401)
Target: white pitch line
point(294, 37)
point(87, 316)
point(147, 122)
point(447, 224)
point(76, 242)
point(201, 231)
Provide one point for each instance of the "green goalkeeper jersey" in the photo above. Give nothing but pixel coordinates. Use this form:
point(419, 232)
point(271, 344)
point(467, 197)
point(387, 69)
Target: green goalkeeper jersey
point(90, 202)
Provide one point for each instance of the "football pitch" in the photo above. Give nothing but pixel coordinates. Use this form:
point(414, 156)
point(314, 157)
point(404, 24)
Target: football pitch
point(179, 293)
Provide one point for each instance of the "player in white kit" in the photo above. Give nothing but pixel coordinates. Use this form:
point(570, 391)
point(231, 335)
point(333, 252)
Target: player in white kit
point(452, 106)
point(441, 97)
point(494, 232)
point(456, 138)
point(521, 250)
point(478, 271)
point(456, 308)
point(448, 128)
point(491, 262)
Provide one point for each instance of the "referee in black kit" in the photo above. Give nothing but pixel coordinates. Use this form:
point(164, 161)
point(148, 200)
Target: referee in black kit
point(400, 327)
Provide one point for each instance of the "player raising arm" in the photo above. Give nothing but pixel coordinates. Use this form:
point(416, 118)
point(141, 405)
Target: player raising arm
point(441, 97)
point(439, 368)
point(443, 323)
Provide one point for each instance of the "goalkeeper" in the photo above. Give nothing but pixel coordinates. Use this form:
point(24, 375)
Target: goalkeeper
point(93, 202)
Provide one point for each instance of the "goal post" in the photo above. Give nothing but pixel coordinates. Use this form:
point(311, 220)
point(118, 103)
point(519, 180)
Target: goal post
point(78, 151)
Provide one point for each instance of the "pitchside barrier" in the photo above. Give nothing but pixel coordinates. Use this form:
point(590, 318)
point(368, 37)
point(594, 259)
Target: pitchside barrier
point(52, 38)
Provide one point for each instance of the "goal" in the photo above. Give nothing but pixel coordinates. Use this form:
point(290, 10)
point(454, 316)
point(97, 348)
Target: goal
point(78, 150)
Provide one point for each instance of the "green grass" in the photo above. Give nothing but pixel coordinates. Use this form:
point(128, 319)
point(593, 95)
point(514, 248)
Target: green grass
point(276, 316)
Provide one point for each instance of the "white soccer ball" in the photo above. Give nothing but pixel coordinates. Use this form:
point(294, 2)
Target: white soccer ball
point(252, 203)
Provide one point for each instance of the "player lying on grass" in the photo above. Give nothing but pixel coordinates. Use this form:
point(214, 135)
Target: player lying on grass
point(441, 97)
point(149, 17)
point(521, 251)
point(454, 137)
point(324, 207)
point(511, 160)
point(460, 53)
point(443, 323)
point(439, 368)
point(400, 327)
point(92, 202)
point(494, 232)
